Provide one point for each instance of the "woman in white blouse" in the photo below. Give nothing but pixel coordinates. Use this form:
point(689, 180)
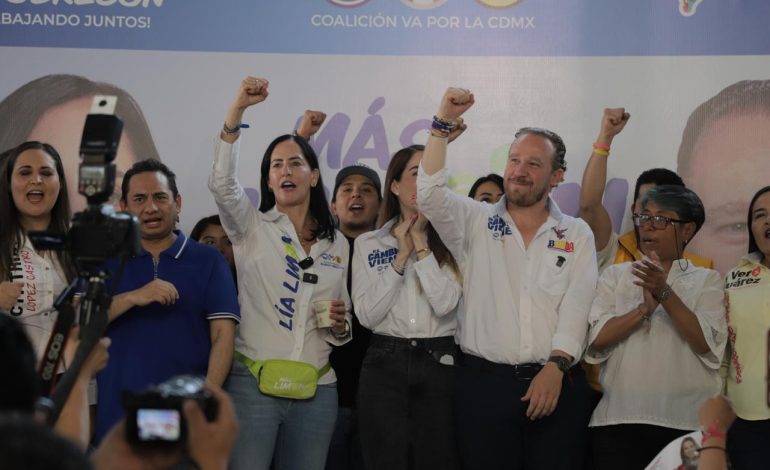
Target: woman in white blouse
point(33, 196)
point(406, 289)
point(288, 255)
point(658, 328)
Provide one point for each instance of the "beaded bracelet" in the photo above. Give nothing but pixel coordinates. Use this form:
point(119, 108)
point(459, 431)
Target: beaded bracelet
point(442, 125)
point(665, 294)
point(234, 130)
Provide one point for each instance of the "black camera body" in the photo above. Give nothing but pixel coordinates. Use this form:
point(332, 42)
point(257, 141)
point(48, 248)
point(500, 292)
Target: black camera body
point(96, 234)
point(154, 416)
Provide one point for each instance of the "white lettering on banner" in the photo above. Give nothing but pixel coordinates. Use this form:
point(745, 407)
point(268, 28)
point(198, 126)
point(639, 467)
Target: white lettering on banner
point(89, 21)
point(477, 23)
point(354, 21)
point(443, 22)
point(411, 21)
point(28, 19)
point(434, 22)
point(513, 22)
point(105, 21)
point(103, 3)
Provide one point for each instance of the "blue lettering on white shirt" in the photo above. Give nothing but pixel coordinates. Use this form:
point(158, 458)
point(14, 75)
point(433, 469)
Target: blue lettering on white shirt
point(378, 257)
point(498, 227)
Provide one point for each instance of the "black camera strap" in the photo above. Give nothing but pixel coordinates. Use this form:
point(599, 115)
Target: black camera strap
point(94, 306)
point(52, 357)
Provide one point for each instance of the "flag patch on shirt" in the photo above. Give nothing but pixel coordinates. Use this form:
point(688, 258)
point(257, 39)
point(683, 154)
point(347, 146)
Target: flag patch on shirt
point(331, 261)
point(561, 245)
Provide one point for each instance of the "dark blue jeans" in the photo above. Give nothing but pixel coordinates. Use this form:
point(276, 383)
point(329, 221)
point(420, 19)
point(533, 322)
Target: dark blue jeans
point(405, 404)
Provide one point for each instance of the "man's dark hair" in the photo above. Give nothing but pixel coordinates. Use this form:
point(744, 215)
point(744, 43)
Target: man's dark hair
point(144, 166)
point(658, 177)
point(560, 150)
point(21, 387)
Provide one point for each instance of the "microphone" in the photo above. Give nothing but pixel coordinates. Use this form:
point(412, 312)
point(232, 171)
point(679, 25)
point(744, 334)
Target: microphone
point(306, 263)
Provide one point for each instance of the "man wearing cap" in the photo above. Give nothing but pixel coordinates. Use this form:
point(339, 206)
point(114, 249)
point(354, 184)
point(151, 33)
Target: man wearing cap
point(356, 203)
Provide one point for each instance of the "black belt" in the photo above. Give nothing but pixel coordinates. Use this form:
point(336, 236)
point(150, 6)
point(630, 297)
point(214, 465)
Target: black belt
point(425, 344)
point(525, 371)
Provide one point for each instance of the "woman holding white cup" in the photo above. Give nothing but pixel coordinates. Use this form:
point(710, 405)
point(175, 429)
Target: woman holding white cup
point(288, 255)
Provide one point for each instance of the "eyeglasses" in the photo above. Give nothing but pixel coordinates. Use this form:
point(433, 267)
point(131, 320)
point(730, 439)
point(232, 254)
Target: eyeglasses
point(659, 222)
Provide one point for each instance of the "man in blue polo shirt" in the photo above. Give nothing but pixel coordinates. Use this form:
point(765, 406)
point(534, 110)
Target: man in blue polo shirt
point(175, 306)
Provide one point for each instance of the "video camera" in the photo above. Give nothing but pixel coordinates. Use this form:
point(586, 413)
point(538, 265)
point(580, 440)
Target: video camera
point(154, 417)
point(96, 234)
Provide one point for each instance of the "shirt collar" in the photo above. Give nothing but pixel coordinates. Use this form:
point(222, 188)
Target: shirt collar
point(176, 249)
point(272, 214)
point(383, 233)
point(751, 259)
point(554, 212)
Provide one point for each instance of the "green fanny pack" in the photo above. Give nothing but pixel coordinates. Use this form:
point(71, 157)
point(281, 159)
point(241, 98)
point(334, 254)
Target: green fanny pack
point(284, 378)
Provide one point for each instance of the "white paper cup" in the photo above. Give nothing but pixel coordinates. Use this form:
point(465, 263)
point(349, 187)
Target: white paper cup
point(323, 312)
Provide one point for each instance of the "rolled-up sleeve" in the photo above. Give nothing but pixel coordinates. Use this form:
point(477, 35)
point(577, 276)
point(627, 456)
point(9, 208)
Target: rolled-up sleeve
point(603, 309)
point(710, 311)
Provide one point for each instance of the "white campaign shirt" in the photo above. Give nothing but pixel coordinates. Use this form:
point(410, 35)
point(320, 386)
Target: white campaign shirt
point(519, 303)
point(422, 303)
point(653, 376)
point(276, 305)
point(43, 280)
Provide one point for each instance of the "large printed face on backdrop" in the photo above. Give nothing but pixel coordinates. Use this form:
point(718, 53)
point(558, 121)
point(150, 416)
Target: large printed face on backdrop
point(62, 127)
point(730, 162)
